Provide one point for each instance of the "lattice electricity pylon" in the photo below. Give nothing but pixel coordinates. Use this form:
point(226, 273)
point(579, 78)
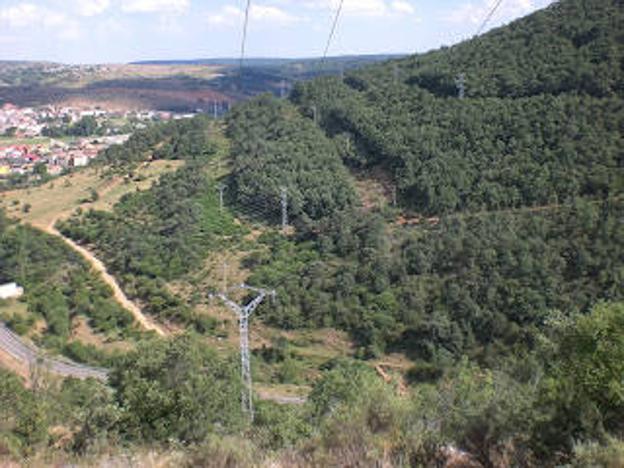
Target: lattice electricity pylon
point(243, 312)
point(284, 203)
point(460, 83)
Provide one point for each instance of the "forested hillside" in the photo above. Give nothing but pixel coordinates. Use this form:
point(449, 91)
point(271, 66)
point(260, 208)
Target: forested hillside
point(448, 155)
point(275, 148)
point(476, 285)
point(573, 46)
point(179, 139)
point(528, 187)
point(496, 274)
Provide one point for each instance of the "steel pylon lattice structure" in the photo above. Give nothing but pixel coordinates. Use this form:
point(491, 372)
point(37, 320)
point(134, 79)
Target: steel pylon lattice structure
point(244, 312)
point(460, 83)
point(284, 204)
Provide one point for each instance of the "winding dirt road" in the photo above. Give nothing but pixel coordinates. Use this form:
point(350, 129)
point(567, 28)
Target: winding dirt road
point(118, 293)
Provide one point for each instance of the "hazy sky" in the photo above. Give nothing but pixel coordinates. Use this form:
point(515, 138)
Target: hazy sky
point(104, 31)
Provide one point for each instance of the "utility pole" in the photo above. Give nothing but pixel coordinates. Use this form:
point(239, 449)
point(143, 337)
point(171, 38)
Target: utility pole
point(221, 188)
point(244, 312)
point(315, 113)
point(460, 82)
point(283, 88)
point(225, 271)
point(284, 200)
point(215, 110)
point(396, 74)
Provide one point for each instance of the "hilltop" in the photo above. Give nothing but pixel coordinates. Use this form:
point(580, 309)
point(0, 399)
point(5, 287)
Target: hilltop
point(167, 85)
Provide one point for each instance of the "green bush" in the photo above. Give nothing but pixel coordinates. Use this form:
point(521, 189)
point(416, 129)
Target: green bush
point(176, 390)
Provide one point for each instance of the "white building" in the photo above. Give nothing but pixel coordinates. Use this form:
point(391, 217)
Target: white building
point(11, 291)
point(79, 161)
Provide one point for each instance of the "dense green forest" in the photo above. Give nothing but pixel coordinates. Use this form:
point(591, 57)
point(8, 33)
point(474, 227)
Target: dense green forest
point(573, 46)
point(275, 148)
point(479, 284)
point(179, 139)
point(448, 155)
point(59, 286)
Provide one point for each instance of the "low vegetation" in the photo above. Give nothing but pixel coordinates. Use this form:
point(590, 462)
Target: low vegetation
point(59, 286)
point(180, 394)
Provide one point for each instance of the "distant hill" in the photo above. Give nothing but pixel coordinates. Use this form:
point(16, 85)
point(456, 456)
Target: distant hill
point(174, 85)
point(273, 62)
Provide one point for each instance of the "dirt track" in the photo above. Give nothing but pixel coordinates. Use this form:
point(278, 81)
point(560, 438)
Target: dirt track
point(118, 293)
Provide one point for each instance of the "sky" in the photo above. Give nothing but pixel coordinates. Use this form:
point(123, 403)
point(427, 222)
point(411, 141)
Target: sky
point(120, 31)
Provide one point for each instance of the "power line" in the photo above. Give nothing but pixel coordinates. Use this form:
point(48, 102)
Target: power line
point(460, 81)
point(332, 32)
point(489, 17)
point(244, 42)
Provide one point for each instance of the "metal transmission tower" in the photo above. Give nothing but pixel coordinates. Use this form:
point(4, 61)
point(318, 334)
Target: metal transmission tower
point(284, 89)
point(244, 312)
point(221, 188)
point(284, 208)
point(460, 82)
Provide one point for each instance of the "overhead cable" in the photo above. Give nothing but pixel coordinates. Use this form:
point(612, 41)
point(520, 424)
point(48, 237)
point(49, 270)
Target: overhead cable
point(332, 32)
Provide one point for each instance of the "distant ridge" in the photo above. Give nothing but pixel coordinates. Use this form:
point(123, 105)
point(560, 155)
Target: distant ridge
point(271, 62)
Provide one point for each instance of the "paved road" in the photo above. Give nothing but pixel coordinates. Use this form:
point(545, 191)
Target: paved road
point(282, 400)
point(13, 345)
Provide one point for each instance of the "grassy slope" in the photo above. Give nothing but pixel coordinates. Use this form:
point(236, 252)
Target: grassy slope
point(60, 197)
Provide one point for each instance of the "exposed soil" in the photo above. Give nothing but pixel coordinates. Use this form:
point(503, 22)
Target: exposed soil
point(118, 293)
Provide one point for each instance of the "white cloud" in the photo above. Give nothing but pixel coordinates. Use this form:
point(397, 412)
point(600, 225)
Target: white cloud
point(227, 16)
point(230, 16)
point(91, 7)
point(374, 8)
point(28, 15)
point(475, 12)
point(155, 6)
point(271, 14)
point(401, 6)
point(20, 15)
